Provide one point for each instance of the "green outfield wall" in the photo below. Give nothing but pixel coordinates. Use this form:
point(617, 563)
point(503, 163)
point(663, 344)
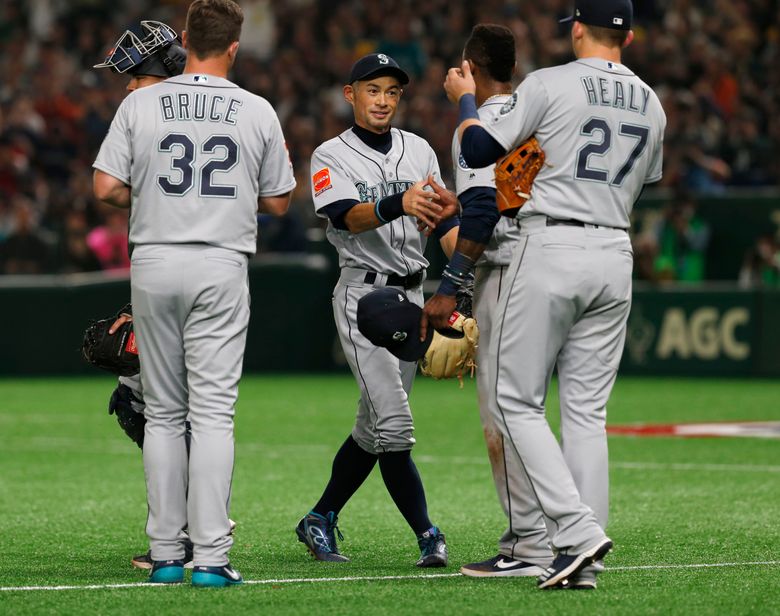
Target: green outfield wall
point(715, 330)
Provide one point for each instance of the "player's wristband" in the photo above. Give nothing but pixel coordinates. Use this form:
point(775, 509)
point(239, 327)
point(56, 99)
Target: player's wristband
point(467, 108)
point(455, 273)
point(389, 208)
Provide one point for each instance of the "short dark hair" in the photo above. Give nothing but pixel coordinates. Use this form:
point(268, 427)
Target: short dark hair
point(212, 26)
point(492, 47)
point(607, 36)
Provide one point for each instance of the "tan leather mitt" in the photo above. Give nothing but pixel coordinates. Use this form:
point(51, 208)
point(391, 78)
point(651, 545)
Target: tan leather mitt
point(453, 354)
point(515, 174)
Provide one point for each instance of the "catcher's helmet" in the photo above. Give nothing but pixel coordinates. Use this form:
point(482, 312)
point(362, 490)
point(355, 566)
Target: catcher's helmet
point(158, 53)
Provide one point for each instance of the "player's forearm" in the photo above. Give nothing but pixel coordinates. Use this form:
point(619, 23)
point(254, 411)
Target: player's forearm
point(362, 217)
point(448, 241)
point(110, 190)
point(276, 205)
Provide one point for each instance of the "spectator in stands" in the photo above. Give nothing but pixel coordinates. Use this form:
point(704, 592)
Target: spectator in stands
point(761, 267)
point(26, 250)
point(75, 255)
point(109, 241)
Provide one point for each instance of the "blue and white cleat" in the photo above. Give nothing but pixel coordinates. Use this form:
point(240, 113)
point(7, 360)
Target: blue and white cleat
point(167, 572)
point(433, 548)
point(216, 577)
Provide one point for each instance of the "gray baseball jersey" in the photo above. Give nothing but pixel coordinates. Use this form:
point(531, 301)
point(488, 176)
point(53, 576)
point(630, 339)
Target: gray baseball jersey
point(601, 128)
point(197, 152)
point(210, 149)
point(568, 289)
point(346, 168)
point(499, 249)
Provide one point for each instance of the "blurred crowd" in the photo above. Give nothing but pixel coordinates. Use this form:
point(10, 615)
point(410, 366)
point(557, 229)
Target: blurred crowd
point(712, 62)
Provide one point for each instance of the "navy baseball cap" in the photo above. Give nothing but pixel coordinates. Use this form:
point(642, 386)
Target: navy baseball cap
point(376, 65)
point(614, 14)
point(388, 319)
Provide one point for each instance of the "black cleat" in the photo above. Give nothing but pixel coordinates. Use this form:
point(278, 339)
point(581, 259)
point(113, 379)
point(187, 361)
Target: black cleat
point(566, 566)
point(318, 533)
point(502, 566)
point(433, 548)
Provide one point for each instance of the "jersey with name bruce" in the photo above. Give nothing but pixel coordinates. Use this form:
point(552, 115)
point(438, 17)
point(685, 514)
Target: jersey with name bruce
point(614, 92)
point(199, 106)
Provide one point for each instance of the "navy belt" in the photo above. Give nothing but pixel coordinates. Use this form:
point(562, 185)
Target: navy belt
point(554, 222)
point(394, 280)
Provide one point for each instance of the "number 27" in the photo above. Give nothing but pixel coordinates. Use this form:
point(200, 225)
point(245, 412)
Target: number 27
point(584, 172)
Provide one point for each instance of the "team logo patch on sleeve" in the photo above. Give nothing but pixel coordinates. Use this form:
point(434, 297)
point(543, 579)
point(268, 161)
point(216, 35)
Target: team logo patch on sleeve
point(321, 181)
point(509, 105)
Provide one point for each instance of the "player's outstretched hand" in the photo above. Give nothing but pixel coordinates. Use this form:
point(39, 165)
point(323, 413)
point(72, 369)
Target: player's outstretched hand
point(422, 204)
point(447, 200)
point(459, 81)
point(436, 313)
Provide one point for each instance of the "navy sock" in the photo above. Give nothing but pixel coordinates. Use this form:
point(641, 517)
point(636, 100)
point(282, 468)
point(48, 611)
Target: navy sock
point(405, 487)
point(351, 466)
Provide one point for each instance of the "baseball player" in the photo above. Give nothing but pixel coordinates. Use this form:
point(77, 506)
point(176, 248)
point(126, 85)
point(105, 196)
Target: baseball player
point(374, 184)
point(148, 61)
point(490, 53)
point(196, 155)
point(568, 288)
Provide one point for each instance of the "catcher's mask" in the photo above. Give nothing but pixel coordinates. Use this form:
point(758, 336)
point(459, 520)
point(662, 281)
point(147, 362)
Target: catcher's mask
point(158, 53)
point(389, 319)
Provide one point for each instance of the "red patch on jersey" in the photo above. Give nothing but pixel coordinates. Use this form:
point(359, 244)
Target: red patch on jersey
point(321, 181)
point(130, 346)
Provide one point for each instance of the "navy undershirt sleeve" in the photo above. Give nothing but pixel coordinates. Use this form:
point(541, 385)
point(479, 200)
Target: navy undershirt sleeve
point(478, 148)
point(444, 226)
point(480, 214)
point(337, 212)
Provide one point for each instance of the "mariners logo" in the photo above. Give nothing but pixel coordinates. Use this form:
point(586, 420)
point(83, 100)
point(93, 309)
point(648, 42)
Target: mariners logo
point(399, 336)
point(509, 105)
point(462, 163)
point(383, 59)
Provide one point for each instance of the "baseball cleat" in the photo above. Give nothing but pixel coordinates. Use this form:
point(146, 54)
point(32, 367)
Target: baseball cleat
point(567, 565)
point(216, 577)
point(318, 533)
point(502, 566)
point(433, 548)
point(167, 572)
point(584, 580)
point(144, 561)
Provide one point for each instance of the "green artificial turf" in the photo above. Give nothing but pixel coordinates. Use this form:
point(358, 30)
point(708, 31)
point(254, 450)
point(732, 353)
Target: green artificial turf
point(72, 506)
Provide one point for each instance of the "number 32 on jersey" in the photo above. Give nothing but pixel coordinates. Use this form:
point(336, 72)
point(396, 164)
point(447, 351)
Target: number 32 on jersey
point(221, 152)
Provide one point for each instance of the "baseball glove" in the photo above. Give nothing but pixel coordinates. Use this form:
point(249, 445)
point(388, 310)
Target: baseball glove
point(515, 174)
point(129, 419)
point(115, 352)
point(452, 353)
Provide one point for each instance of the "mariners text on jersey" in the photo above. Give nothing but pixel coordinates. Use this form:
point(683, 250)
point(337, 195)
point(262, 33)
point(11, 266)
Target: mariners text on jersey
point(616, 93)
point(199, 106)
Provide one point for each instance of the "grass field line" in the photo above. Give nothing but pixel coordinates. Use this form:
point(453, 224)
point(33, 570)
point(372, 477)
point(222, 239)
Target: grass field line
point(379, 578)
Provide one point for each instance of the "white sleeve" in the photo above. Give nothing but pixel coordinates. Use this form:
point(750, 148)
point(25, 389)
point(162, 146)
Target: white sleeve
point(655, 170)
point(116, 154)
point(521, 115)
point(276, 171)
point(329, 182)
